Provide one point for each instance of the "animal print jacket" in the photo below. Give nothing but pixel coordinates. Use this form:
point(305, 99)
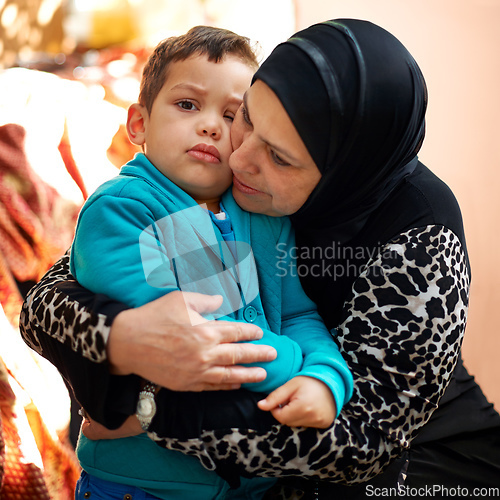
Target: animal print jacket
point(401, 337)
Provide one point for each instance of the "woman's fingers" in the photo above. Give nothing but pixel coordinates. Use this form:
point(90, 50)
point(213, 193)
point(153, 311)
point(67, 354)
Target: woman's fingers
point(159, 343)
point(198, 304)
point(230, 352)
point(228, 378)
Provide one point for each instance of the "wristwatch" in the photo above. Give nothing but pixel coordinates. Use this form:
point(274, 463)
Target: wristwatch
point(146, 406)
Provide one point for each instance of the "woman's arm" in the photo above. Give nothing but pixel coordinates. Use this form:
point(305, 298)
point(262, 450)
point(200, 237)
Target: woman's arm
point(399, 376)
point(98, 345)
point(401, 337)
point(58, 320)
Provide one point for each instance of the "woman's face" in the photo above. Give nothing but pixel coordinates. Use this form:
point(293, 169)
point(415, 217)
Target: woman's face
point(274, 173)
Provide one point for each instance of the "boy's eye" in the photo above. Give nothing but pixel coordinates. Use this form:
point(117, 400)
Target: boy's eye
point(187, 105)
point(229, 117)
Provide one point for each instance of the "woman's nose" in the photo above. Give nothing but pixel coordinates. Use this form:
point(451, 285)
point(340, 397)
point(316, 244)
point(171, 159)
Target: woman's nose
point(243, 158)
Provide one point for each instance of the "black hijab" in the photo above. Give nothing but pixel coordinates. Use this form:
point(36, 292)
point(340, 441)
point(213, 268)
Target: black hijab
point(357, 99)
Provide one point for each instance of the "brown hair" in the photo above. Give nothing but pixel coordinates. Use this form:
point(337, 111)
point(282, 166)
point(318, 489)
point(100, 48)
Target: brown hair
point(216, 43)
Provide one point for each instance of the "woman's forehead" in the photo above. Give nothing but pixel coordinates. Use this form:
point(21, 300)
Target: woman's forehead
point(272, 124)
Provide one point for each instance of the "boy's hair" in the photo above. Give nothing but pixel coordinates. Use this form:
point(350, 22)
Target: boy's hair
point(215, 43)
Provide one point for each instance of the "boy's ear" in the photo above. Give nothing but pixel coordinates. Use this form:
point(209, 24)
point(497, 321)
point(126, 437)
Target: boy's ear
point(136, 124)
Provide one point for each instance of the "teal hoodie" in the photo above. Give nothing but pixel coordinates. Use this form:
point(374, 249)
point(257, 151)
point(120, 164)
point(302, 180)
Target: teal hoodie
point(138, 237)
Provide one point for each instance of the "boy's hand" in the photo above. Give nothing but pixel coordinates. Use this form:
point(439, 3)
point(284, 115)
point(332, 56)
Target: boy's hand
point(302, 402)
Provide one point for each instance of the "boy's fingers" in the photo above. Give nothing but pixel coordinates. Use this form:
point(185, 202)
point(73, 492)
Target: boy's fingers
point(290, 415)
point(284, 415)
point(276, 399)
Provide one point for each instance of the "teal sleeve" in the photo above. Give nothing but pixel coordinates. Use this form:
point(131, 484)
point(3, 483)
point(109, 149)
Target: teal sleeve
point(302, 323)
point(107, 257)
point(280, 370)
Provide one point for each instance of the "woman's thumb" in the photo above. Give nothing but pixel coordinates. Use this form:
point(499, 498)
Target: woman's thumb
point(201, 303)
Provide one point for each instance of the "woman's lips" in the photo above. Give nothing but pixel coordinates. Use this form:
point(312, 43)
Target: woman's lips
point(243, 187)
point(204, 152)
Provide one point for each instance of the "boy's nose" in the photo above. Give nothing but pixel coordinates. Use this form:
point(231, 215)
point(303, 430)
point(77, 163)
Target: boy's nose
point(210, 126)
point(211, 132)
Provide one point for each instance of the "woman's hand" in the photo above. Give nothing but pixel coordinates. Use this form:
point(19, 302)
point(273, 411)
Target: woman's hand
point(93, 430)
point(302, 402)
point(168, 342)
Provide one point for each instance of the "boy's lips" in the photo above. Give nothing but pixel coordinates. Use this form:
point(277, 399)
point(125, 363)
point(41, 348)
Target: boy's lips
point(205, 152)
point(244, 188)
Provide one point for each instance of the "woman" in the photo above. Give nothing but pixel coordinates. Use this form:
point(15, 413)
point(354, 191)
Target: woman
point(380, 249)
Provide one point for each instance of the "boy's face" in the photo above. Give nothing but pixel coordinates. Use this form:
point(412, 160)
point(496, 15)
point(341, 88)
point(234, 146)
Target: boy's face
point(186, 135)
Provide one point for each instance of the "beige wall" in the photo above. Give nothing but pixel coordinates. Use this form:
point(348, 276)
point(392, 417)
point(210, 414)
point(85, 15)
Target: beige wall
point(457, 45)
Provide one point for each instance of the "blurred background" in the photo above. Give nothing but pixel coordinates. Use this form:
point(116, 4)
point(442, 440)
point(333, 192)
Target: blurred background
point(70, 68)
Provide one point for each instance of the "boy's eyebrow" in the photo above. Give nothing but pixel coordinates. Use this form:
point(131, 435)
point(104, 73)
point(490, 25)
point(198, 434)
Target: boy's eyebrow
point(190, 86)
point(236, 99)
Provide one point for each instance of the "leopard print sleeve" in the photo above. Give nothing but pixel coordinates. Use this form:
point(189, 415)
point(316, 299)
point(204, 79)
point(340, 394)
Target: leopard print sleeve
point(401, 337)
point(60, 322)
point(49, 314)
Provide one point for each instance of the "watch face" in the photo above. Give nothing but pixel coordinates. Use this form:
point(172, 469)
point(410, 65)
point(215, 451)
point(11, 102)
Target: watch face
point(146, 407)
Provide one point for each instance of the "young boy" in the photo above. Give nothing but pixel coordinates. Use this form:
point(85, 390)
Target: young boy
point(168, 222)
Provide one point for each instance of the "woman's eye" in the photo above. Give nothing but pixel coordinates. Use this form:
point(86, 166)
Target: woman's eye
point(187, 105)
point(244, 113)
point(276, 159)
